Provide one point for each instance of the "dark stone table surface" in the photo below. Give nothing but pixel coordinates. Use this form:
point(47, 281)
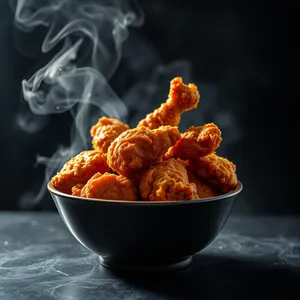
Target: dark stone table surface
point(251, 257)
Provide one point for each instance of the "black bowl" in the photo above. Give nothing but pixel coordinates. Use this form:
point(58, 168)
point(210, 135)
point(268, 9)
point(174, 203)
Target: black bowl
point(144, 235)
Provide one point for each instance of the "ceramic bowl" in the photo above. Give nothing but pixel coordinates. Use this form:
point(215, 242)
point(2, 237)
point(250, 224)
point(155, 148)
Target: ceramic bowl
point(145, 235)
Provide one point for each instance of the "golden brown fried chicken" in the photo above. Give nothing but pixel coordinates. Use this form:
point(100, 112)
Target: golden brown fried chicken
point(196, 141)
point(105, 131)
point(203, 189)
point(76, 189)
point(108, 186)
point(138, 148)
point(181, 98)
point(167, 181)
point(79, 169)
point(219, 172)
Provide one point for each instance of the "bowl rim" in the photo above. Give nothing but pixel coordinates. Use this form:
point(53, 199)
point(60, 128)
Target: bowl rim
point(230, 194)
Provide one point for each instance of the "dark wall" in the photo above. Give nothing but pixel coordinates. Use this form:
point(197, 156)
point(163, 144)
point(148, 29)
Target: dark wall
point(240, 54)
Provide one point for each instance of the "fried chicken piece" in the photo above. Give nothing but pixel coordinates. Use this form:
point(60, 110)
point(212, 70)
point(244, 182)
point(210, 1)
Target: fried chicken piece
point(105, 131)
point(218, 172)
point(79, 169)
point(196, 142)
point(181, 98)
point(139, 148)
point(76, 190)
point(167, 181)
point(108, 186)
point(203, 189)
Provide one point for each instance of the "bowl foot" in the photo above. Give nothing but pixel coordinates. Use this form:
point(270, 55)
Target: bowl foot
point(116, 265)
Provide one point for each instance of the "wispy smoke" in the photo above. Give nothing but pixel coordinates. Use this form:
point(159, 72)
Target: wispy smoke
point(91, 34)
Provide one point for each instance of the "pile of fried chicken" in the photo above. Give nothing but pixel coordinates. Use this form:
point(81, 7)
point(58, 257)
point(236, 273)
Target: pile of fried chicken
point(153, 161)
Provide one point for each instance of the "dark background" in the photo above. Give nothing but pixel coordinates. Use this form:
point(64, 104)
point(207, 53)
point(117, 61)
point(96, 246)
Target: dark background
point(240, 55)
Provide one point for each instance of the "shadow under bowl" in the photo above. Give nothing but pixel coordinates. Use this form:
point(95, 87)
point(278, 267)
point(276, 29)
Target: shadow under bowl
point(144, 235)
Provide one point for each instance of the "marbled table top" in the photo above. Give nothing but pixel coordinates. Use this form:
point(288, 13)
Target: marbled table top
point(40, 259)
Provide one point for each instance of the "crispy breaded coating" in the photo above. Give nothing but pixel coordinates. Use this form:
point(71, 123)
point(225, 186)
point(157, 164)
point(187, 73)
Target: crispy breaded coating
point(203, 189)
point(76, 189)
point(167, 181)
point(105, 131)
point(181, 98)
point(138, 148)
point(108, 186)
point(218, 172)
point(154, 161)
point(196, 142)
point(79, 169)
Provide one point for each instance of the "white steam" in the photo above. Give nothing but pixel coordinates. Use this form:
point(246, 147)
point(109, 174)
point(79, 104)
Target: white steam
point(99, 27)
point(90, 35)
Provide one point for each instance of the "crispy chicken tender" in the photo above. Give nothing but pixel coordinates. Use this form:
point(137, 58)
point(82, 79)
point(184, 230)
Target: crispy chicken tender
point(218, 172)
point(203, 189)
point(108, 186)
point(196, 142)
point(79, 169)
point(138, 148)
point(105, 131)
point(167, 181)
point(181, 98)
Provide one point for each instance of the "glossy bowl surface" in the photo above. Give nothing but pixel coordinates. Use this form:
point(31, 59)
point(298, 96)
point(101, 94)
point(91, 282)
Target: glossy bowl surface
point(144, 235)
